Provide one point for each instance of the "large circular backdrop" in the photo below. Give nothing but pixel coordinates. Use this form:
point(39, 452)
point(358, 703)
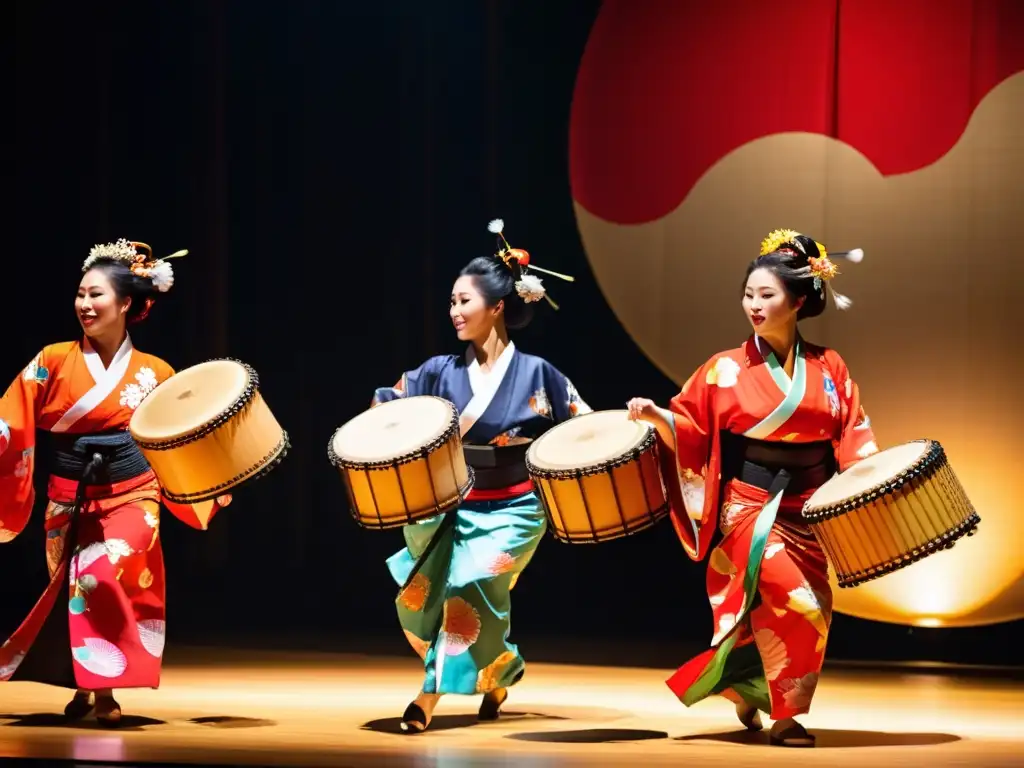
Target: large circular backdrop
point(895, 127)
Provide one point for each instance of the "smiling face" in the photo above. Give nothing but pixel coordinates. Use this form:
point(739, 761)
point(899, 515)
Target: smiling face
point(767, 305)
point(472, 318)
point(100, 311)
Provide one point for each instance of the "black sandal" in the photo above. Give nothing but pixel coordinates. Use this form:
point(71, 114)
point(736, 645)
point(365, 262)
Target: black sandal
point(490, 707)
point(414, 719)
point(793, 736)
point(80, 706)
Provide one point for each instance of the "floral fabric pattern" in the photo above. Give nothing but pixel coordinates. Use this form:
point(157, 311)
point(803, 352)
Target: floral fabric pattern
point(463, 588)
point(789, 625)
point(35, 371)
point(109, 580)
point(724, 373)
point(116, 631)
point(769, 594)
point(133, 394)
point(457, 570)
point(540, 404)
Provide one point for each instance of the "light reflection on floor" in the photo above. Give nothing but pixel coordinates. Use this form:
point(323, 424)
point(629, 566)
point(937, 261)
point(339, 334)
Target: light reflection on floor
point(320, 709)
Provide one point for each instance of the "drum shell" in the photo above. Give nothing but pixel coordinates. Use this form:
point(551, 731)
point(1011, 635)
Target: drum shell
point(237, 447)
point(607, 501)
point(410, 489)
point(922, 510)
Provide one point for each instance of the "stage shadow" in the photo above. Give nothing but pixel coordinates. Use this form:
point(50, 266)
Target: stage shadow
point(590, 736)
point(54, 720)
point(226, 721)
point(830, 739)
point(450, 722)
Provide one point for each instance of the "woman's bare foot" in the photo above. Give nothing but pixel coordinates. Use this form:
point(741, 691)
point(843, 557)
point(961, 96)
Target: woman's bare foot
point(79, 706)
point(417, 715)
point(749, 716)
point(789, 733)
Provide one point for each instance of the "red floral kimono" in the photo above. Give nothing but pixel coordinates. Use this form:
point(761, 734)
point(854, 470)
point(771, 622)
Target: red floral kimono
point(100, 621)
point(767, 579)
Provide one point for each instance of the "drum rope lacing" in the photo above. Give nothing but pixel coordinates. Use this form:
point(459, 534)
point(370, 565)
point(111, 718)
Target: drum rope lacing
point(260, 469)
point(421, 453)
point(251, 386)
point(927, 467)
point(628, 527)
point(596, 469)
point(405, 458)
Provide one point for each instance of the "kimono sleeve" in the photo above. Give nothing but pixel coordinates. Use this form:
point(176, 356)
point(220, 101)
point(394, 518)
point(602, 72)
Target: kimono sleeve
point(198, 514)
point(689, 461)
point(565, 400)
point(424, 380)
point(19, 412)
point(856, 439)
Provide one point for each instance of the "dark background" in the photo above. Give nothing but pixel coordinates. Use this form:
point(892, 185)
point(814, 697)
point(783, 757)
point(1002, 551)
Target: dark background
point(330, 166)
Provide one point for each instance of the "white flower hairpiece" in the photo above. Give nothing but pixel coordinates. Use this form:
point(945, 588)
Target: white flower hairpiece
point(126, 251)
point(162, 276)
point(122, 250)
point(530, 288)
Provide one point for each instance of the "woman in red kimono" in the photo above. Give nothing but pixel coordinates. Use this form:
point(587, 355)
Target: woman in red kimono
point(99, 624)
point(752, 434)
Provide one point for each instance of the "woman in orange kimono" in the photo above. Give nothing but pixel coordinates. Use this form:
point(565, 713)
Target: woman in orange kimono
point(99, 624)
point(751, 435)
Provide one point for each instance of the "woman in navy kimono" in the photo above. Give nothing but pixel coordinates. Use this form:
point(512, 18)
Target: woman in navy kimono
point(455, 608)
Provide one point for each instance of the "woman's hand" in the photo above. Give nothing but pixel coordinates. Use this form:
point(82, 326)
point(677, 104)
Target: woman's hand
point(641, 408)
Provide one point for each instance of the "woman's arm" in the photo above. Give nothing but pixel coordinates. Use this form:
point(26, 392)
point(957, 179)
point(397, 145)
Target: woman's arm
point(684, 434)
point(643, 409)
point(19, 412)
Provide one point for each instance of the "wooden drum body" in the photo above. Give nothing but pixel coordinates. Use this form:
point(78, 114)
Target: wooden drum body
point(206, 430)
point(889, 511)
point(402, 461)
point(598, 477)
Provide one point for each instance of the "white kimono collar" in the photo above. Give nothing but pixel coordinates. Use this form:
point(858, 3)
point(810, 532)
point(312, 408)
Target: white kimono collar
point(483, 385)
point(106, 381)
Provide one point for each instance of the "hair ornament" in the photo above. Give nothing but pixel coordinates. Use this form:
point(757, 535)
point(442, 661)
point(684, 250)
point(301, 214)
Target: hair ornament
point(779, 237)
point(821, 266)
point(147, 305)
point(138, 257)
point(529, 287)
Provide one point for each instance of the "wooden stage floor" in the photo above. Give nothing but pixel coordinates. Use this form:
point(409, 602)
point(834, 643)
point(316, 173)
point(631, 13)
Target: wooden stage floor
point(276, 708)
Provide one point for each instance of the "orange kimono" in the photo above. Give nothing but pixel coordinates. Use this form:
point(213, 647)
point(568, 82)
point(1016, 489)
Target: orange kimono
point(100, 622)
point(751, 446)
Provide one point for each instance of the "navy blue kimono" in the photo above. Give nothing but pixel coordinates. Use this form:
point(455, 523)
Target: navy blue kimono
point(455, 609)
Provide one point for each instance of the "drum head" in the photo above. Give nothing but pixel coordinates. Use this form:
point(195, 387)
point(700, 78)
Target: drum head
point(189, 399)
point(866, 474)
point(393, 429)
point(587, 441)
